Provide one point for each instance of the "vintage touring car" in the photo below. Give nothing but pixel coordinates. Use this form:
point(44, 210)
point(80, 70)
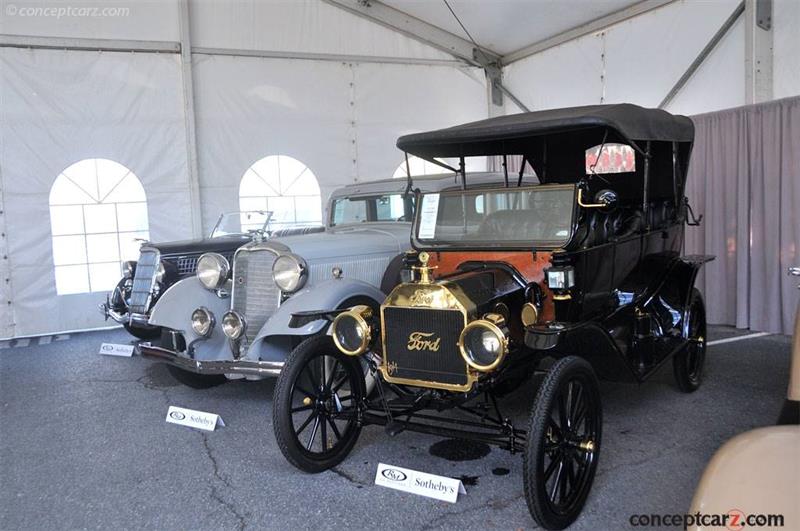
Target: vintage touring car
point(234, 319)
point(578, 277)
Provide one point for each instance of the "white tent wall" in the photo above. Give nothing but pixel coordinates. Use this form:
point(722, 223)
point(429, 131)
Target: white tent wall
point(638, 61)
point(298, 26)
point(59, 107)
point(340, 119)
point(786, 48)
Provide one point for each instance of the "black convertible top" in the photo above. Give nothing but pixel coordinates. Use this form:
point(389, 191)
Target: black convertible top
point(627, 122)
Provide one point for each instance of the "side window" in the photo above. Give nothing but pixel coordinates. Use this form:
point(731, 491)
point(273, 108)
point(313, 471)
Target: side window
point(610, 158)
point(98, 215)
point(286, 187)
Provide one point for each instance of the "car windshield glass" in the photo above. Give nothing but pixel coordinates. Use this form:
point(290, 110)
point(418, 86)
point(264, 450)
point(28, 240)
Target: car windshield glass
point(241, 222)
point(508, 217)
point(388, 207)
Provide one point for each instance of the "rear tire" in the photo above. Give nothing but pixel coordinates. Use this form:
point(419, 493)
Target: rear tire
point(563, 443)
point(194, 380)
point(315, 405)
point(687, 365)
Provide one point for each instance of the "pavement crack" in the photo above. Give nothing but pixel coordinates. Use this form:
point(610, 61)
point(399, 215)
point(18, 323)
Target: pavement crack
point(493, 503)
point(215, 492)
point(348, 477)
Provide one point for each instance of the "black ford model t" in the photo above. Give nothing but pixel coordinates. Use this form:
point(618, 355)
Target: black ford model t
point(577, 278)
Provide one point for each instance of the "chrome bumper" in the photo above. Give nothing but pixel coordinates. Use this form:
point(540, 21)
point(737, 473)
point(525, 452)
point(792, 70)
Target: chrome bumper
point(136, 319)
point(245, 367)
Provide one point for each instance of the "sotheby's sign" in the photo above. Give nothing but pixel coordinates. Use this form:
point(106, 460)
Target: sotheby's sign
point(193, 419)
point(430, 485)
point(114, 349)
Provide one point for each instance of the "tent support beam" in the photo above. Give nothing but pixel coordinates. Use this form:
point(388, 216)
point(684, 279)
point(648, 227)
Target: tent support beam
point(704, 53)
point(314, 56)
point(417, 29)
point(189, 121)
point(96, 45)
point(584, 29)
point(758, 50)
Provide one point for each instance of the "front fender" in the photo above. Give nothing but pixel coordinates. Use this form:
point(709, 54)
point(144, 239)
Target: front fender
point(273, 342)
point(174, 310)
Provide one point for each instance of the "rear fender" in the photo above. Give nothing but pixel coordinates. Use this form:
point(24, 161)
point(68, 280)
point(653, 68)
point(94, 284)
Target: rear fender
point(277, 337)
point(672, 294)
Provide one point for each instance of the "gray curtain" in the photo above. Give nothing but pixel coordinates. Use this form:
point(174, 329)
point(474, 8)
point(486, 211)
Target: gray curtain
point(744, 178)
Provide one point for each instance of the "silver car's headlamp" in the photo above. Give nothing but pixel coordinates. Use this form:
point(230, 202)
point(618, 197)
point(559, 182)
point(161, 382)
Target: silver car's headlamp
point(289, 272)
point(202, 321)
point(212, 270)
point(484, 343)
point(233, 325)
point(128, 269)
point(160, 272)
point(351, 331)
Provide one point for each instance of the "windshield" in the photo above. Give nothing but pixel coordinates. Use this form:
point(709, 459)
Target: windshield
point(508, 217)
point(388, 207)
point(241, 222)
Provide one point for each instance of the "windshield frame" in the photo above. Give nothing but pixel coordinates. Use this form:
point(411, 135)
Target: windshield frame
point(332, 208)
point(509, 245)
point(264, 227)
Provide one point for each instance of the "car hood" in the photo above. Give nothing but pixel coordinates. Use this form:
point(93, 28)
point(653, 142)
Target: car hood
point(205, 245)
point(352, 240)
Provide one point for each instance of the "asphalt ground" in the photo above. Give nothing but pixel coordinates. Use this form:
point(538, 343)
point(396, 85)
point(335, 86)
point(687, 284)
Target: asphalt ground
point(84, 445)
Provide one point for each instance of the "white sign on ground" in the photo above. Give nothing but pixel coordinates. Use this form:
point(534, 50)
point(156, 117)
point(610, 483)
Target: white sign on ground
point(115, 349)
point(193, 418)
point(430, 485)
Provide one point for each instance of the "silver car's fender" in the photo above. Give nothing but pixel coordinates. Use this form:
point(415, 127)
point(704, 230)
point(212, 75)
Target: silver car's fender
point(274, 340)
point(174, 310)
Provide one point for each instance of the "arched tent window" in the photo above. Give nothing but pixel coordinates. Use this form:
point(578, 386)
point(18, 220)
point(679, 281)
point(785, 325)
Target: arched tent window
point(423, 167)
point(98, 215)
point(286, 187)
point(614, 158)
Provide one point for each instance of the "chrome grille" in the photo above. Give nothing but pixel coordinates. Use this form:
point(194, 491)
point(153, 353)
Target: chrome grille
point(187, 265)
point(254, 295)
point(143, 280)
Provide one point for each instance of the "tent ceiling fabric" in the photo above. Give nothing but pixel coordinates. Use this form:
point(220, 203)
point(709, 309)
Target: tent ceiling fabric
point(534, 21)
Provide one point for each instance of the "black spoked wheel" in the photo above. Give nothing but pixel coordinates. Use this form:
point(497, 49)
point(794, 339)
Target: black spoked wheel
point(194, 380)
point(314, 409)
point(563, 443)
point(688, 363)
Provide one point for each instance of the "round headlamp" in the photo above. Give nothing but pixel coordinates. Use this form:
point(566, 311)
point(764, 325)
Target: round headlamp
point(233, 325)
point(160, 272)
point(202, 322)
point(128, 269)
point(483, 345)
point(289, 272)
point(212, 270)
point(351, 332)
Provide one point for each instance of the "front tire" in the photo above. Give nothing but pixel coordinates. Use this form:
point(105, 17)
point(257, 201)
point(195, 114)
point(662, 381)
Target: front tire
point(146, 334)
point(194, 380)
point(315, 405)
point(563, 443)
point(687, 365)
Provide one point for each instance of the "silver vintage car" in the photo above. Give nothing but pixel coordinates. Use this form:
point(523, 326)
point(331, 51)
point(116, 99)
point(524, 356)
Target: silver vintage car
point(242, 319)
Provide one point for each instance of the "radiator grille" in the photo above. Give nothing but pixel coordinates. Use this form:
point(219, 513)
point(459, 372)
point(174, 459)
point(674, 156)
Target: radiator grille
point(445, 365)
point(143, 281)
point(255, 295)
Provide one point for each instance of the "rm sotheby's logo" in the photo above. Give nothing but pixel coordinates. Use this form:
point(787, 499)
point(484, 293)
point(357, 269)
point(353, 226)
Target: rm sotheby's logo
point(177, 415)
point(393, 474)
point(423, 341)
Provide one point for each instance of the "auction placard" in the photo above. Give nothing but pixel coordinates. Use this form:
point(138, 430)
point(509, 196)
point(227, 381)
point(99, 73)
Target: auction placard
point(193, 418)
point(430, 485)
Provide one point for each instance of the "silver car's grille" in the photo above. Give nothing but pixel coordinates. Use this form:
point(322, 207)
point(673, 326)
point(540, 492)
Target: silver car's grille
point(187, 265)
point(143, 280)
point(255, 295)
